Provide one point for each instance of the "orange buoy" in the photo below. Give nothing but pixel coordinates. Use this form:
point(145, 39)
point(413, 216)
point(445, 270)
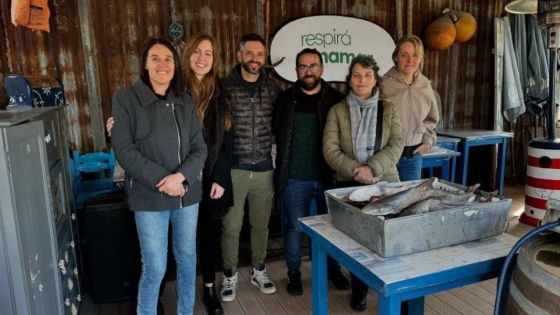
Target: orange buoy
point(465, 24)
point(440, 34)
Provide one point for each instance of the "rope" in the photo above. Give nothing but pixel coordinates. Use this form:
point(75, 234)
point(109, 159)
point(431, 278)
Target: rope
point(399, 19)
point(409, 18)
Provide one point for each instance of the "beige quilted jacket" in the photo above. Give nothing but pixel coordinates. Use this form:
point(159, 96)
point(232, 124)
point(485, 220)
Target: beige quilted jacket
point(337, 144)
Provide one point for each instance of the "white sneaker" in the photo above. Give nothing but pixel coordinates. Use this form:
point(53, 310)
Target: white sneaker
point(260, 279)
point(228, 286)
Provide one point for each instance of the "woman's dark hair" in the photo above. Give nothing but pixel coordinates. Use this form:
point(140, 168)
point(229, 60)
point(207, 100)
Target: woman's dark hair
point(176, 84)
point(368, 63)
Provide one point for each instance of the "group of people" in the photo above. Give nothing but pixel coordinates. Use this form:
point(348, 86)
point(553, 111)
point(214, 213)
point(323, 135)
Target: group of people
point(194, 148)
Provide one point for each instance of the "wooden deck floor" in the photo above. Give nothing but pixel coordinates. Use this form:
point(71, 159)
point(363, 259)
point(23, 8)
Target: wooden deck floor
point(475, 299)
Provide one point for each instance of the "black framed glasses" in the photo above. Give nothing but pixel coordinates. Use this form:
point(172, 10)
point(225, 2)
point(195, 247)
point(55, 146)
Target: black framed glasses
point(303, 68)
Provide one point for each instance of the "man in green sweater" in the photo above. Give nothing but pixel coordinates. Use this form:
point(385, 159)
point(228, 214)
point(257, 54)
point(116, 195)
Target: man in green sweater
point(302, 174)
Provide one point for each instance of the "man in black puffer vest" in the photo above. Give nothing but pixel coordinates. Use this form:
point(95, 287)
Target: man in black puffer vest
point(302, 175)
point(252, 96)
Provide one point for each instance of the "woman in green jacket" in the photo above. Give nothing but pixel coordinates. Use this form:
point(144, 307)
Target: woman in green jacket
point(355, 148)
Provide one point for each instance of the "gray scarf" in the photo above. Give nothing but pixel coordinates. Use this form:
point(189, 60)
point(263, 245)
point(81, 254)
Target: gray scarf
point(363, 122)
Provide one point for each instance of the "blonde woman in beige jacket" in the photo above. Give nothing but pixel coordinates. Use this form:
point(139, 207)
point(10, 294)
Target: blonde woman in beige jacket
point(355, 148)
point(414, 97)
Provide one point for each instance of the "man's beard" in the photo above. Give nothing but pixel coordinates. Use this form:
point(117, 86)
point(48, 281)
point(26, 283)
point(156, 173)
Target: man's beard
point(248, 68)
point(308, 86)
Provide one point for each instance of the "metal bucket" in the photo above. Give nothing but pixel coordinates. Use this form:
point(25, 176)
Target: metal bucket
point(535, 285)
point(543, 178)
point(420, 232)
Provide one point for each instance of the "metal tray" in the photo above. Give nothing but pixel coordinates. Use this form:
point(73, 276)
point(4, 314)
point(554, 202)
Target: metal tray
point(416, 233)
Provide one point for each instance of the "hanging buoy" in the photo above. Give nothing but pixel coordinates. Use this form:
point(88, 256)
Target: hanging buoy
point(465, 24)
point(440, 34)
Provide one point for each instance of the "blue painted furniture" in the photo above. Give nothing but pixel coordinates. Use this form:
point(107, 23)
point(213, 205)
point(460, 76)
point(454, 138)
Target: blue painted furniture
point(450, 144)
point(408, 277)
point(94, 162)
point(439, 157)
point(477, 137)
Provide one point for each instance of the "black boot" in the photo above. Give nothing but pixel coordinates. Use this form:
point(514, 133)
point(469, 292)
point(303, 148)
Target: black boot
point(212, 301)
point(338, 279)
point(359, 293)
point(294, 282)
point(358, 303)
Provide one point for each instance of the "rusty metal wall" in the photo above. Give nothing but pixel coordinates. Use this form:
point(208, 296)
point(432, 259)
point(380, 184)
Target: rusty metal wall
point(94, 47)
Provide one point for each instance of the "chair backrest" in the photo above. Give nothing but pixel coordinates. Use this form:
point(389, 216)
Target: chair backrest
point(94, 162)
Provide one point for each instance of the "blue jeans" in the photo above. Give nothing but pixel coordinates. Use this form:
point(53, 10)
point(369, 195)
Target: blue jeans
point(296, 201)
point(410, 168)
point(152, 229)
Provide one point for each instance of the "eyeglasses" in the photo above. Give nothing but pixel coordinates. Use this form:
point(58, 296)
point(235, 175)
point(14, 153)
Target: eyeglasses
point(303, 68)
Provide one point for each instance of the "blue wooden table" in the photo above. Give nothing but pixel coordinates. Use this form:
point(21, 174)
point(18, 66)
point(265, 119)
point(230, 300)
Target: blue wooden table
point(440, 157)
point(407, 277)
point(477, 137)
point(449, 144)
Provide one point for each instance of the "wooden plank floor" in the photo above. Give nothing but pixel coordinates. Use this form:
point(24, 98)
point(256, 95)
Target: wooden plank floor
point(474, 299)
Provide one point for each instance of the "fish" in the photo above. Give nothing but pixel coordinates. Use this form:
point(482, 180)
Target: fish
point(365, 193)
point(458, 197)
point(359, 204)
point(439, 203)
point(394, 204)
point(387, 191)
point(380, 189)
point(424, 206)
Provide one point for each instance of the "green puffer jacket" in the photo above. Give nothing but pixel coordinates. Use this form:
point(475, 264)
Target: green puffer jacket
point(337, 144)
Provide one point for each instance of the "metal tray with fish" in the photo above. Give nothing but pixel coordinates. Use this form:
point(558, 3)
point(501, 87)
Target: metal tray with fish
point(391, 235)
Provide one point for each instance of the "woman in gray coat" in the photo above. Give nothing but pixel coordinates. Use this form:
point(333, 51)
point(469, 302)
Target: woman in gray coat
point(158, 141)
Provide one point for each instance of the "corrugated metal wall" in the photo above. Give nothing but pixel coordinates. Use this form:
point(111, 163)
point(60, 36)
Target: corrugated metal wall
point(94, 47)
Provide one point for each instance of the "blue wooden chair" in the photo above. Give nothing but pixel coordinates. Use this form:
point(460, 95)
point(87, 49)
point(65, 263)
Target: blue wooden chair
point(90, 163)
point(95, 162)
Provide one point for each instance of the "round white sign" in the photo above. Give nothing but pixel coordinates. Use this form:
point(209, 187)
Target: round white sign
point(338, 38)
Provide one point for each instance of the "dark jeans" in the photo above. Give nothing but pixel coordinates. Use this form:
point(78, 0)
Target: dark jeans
point(297, 196)
point(208, 238)
point(359, 288)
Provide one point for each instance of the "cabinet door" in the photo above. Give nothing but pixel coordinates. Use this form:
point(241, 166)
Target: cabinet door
point(32, 249)
point(64, 191)
point(52, 138)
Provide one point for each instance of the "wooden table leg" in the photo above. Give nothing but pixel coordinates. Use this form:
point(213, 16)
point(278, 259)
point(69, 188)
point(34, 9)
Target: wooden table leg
point(501, 167)
point(319, 282)
point(388, 305)
point(445, 169)
point(392, 305)
point(463, 163)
